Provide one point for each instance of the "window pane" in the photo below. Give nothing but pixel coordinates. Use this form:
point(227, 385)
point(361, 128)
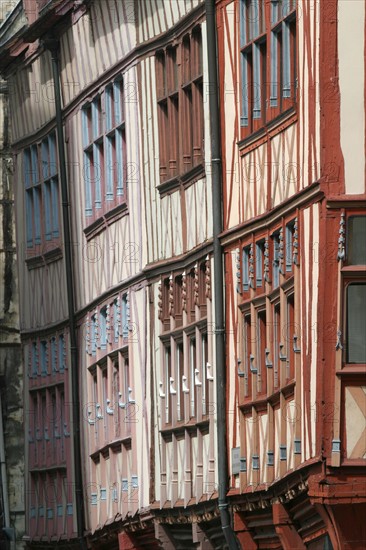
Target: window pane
point(356, 323)
point(357, 240)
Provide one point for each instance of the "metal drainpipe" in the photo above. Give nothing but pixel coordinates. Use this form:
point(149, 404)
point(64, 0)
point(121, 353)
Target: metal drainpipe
point(218, 278)
point(53, 46)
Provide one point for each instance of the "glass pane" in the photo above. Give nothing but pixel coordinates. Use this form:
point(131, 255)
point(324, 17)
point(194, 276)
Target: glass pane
point(356, 323)
point(357, 240)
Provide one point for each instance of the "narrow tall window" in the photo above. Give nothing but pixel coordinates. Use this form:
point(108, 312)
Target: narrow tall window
point(261, 356)
point(276, 260)
point(356, 323)
point(290, 337)
point(276, 343)
point(259, 255)
point(179, 382)
point(245, 268)
point(192, 362)
point(289, 245)
point(168, 374)
point(356, 240)
point(247, 341)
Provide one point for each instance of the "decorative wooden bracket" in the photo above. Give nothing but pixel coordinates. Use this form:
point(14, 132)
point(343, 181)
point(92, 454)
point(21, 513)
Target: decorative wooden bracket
point(253, 368)
point(197, 382)
point(281, 356)
point(295, 348)
point(172, 391)
point(209, 371)
point(339, 340)
point(269, 364)
point(109, 409)
point(161, 393)
point(185, 388)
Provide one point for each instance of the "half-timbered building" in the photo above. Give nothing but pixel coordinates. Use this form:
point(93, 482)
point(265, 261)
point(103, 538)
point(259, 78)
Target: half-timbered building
point(294, 205)
point(152, 412)
point(111, 140)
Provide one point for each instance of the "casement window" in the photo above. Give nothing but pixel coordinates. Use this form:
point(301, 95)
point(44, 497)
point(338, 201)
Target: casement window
point(253, 52)
point(202, 290)
point(276, 259)
point(192, 377)
point(356, 240)
point(108, 325)
point(276, 343)
point(44, 358)
point(261, 355)
point(166, 303)
point(191, 305)
point(180, 106)
point(247, 355)
point(205, 379)
point(168, 385)
point(283, 54)
point(103, 328)
point(180, 381)
point(183, 297)
point(104, 143)
point(259, 257)
point(245, 268)
point(48, 422)
point(290, 333)
point(48, 357)
point(42, 200)
point(290, 230)
point(266, 93)
point(355, 291)
point(356, 322)
point(178, 310)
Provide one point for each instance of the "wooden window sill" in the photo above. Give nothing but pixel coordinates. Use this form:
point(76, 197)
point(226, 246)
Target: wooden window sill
point(185, 180)
point(179, 429)
point(106, 219)
point(40, 260)
point(274, 126)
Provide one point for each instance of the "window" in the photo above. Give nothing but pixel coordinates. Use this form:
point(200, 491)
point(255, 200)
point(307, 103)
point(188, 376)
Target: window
point(205, 378)
point(261, 100)
point(247, 354)
point(283, 53)
point(192, 377)
point(290, 230)
point(41, 193)
point(276, 343)
point(168, 388)
point(356, 322)
point(261, 355)
point(259, 255)
point(356, 241)
point(246, 280)
point(276, 259)
point(354, 282)
point(253, 46)
point(180, 379)
point(290, 337)
point(180, 98)
point(104, 142)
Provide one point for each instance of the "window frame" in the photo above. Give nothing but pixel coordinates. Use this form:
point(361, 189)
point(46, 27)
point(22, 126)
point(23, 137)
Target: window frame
point(179, 85)
point(42, 195)
point(275, 81)
point(108, 190)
